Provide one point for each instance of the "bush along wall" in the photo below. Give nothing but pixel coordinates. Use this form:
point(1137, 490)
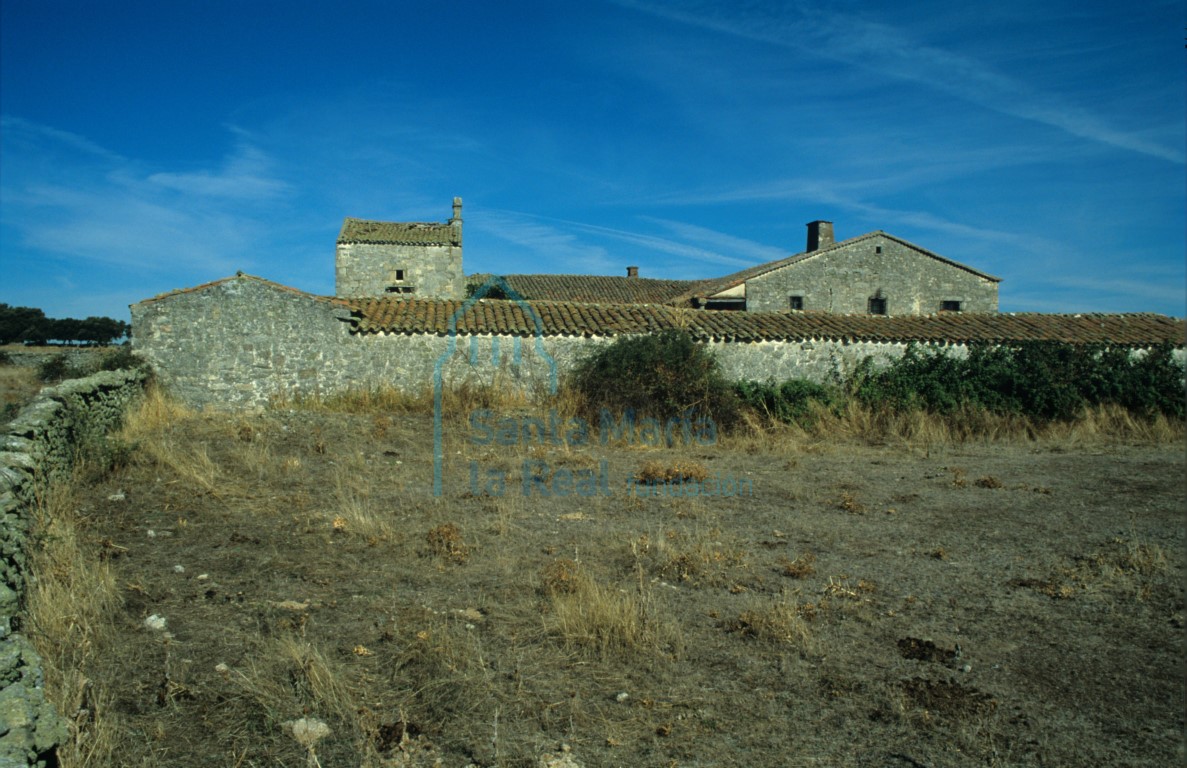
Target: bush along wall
point(42, 443)
point(1043, 381)
point(1046, 381)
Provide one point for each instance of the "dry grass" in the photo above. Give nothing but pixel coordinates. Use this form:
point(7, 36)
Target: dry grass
point(151, 428)
point(800, 568)
point(354, 512)
point(533, 614)
point(18, 385)
point(702, 555)
point(608, 621)
point(69, 605)
point(677, 472)
point(775, 620)
point(920, 430)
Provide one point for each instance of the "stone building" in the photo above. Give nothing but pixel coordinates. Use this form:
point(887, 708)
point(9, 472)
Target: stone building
point(875, 273)
point(404, 317)
point(382, 258)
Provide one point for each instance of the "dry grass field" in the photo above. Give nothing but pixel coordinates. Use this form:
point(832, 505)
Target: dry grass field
point(284, 589)
point(18, 385)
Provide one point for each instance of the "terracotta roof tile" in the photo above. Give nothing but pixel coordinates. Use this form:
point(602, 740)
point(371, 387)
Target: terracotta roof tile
point(593, 288)
point(389, 232)
point(412, 316)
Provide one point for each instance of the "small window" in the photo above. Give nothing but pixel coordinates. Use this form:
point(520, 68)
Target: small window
point(399, 275)
point(797, 302)
point(877, 249)
point(949, 306)
point(877, 305)
point(399, 289)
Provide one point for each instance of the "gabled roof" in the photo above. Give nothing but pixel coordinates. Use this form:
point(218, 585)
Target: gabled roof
point(398, 233)
point(717, 285)
point(595, 289)
point(417, 316)
point(244, 278)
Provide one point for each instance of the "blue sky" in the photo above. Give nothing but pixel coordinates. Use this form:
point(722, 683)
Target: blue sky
point(148, 146)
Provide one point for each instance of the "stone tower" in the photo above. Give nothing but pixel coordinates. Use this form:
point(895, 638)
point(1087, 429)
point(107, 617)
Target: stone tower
point(383, 258)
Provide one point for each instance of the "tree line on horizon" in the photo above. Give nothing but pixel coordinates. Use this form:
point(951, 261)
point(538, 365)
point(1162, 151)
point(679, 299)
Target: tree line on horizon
point(29, 325)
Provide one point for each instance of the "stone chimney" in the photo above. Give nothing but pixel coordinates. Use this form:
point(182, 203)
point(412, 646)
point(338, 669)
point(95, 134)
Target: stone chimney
point(632, 271)
point(820, 235)
point(457, 210)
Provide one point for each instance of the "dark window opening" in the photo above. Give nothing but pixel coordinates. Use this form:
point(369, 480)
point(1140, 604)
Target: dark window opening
point(399, 275)
point(797, 302)
point(734, 305)
point(877, 305)
point(399, 289)
point(949, 306)
point(877, 249)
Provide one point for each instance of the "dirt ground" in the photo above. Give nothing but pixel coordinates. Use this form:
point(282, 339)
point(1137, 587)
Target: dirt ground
point(813, 605)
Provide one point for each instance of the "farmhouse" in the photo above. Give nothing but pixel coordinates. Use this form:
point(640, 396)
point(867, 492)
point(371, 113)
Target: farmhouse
point(405, 316)
point(875, 273)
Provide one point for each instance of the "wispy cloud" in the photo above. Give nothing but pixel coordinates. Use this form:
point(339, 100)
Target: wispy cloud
point(565, 245)
point(892, 51)
point(68, 197)
point(243, 176)
point(562, 251)
point(744, 251)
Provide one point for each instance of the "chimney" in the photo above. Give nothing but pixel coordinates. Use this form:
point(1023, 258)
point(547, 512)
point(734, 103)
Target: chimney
point(632, 271)
point(457, 210)
point(820, 235)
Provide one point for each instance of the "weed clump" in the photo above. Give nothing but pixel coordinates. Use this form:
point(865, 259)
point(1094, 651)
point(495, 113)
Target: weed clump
point(54, 369)
point(796, 401)
point(679, 472)
point(446, 541)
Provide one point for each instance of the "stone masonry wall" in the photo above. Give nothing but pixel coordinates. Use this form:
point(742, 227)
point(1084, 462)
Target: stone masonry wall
point(429, 271)
point(842, 280)
point(244, 343)
point(42, 442)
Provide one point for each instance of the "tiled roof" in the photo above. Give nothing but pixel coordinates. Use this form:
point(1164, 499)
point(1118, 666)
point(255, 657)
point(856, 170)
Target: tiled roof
point(403, 233)
point(415, 316)
point(710, 287)
point(597, 289)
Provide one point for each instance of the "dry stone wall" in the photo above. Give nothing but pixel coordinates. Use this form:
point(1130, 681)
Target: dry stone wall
point(44, 441)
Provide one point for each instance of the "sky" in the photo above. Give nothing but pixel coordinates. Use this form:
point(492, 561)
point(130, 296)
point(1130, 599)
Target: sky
point(149, 146)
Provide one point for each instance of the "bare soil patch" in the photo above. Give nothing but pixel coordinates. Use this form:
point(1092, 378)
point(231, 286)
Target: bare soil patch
point(839, 605)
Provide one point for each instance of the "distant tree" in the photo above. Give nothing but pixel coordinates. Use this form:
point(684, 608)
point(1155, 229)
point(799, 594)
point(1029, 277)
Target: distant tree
point(16, 323)
point(31, 326)
point(102, 330)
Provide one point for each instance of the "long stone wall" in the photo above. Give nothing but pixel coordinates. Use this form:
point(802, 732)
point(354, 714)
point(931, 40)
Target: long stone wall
point(43, 442)
point(245, 342)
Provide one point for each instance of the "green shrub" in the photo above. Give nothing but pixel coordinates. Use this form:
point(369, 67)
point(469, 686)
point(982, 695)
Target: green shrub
point(1048, 381)
point(122, 358)
point(789, 402)
point(53, 369)
point(661, 375)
